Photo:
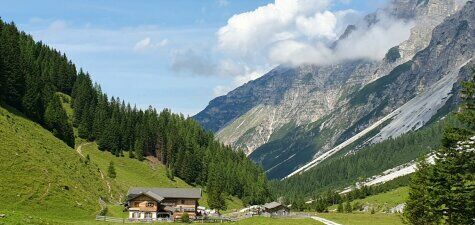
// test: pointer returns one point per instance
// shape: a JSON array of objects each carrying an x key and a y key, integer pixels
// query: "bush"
[{"x": 185, "y": 218}]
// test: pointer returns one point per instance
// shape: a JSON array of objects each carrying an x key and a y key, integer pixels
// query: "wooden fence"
[{"x": 124, "y": 220}]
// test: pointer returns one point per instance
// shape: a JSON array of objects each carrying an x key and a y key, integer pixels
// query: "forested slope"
[{"x": 350, "y": 166}]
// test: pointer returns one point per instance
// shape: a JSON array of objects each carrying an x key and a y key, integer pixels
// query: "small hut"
[{"x": 275, "y": 208}]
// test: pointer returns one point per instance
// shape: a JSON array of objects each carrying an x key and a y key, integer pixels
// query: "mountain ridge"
[{"x": 257, "y": 129}]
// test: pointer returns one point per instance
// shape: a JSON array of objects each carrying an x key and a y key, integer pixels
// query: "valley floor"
[{"x": 363, "y": 218}]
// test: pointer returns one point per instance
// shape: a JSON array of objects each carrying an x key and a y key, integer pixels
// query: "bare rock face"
[{"x": 292, "y": 115}]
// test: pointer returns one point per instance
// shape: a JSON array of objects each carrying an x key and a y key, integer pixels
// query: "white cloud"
[
  {"x": 298, "y": 32},
  {"x": 163, "y": 43},
  {"x": 142, "y": 44},
  {"x": 248, "y": 31},
  {"x": 321, "y": 25},
  {"x": 146, "y": 44}
]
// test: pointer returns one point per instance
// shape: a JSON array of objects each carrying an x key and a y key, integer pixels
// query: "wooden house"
[
  {"x": 275, "y": 208},
  {"x": 153, "y": 204}
]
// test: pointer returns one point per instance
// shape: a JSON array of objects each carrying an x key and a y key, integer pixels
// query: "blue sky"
[{"x": 168, "y": 54}]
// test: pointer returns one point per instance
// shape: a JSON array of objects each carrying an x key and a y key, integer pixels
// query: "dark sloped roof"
[
  {"x": 272, "y": 205},
  {"x": 160, "y": 193}
]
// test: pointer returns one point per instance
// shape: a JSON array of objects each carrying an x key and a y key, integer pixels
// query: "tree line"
[
  {"x": 320, "y": 202},
  {"x": 31, "y": 77},
  {"x": 345, "y": 169},
  {"x": 444, "y": 193}
]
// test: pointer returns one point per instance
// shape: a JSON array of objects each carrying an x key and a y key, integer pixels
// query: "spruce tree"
[
  {"x": 2, "y": 72},
  {"x": 138, "y": 149},
  {"x": 56, "y": 120},
  {"x": 450, "y": 184},
  {"x": 340, "y": 208},
  {"x": 111, "y": 170},
  {"x": 214, "y": 187},
  {"x": 33, "y": 101},
  {"x": 348, "y": 208},
  {"x": 419, "y": 207},
  {"x": 14, "y": 83}
]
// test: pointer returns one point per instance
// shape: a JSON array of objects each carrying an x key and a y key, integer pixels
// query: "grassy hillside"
[
  {"x": 46, "y": 182},
  {"x": 383, "y": 201},
  {"x": 386, "y": 200},
  {"x": 41, "y": 176}
]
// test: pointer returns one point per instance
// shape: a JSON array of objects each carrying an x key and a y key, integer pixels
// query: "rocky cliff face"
[
  {"x": 292, "y": 115},
  {"x": 407, "y": 98}
]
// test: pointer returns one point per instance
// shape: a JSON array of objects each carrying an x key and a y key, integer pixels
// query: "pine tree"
[
  {"x": 86, "y": 123},
  {"x": 419, "y": 208},
  {"x": 111, "y": 170},
  {"x": 340, "y": 208},
  {"x": 14, "y": 84},
  {"x": 33, "y": 102},
  {"x": 2, "y": 72},
  {"x": 138, "y": 149},
  {"x": 56, "y": 120},
  {"x": 348, "y": 208},
  {"x": 450, "y": 184},
  {"x": 215, "y": 193}
]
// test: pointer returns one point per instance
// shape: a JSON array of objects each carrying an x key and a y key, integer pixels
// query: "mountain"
[{"x": 296, "y": 115}]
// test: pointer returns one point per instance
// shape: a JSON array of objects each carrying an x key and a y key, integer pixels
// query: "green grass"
[
  {"x": 363, "y": 218},
  {"x": 41, "y": 176},
  {"x": 389, "y": 199},
  {"x": 274, "y": 221},
  {"x": 44, "y": 181},
  {"x": 383, "y": 201}
]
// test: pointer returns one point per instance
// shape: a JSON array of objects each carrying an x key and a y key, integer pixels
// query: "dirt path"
[
  {"x": 79, "y": 151},
  {"x": 325, "y": 221},
  {"x": 79, "y": 148}
]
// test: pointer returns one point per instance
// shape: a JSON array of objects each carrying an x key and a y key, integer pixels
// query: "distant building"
[
  {"x": 152, "y": 204},
  {"x": 275, "y": 208}
]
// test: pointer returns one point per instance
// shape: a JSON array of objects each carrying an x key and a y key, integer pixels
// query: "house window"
[
  {"x": 148, "y": 215},
  {"x": 182, "y": 201},
  {"x": 135, "y": 215},
  {"x": 150, "y": 204}
]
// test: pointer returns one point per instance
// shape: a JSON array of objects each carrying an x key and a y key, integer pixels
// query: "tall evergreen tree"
[
  {"x": 451, "y": 182},
  {"x": 14, "y": 84},
  {"x": 111, "y": 170},
  {"x": 33, "y": 101},
  {"x": 2, "y": 72},
  {"x": 419, "y": 206},
  {"x": 56, "y": 120}
]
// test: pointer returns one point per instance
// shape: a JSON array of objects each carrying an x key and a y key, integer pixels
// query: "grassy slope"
[
  {"x": 44, "y": 181},
  {"x": 41, "y": 176},
  {"x": 383, "y": 201},
  {"x": 387, "y": 199},
  {"x": 363, "y": 218}
]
